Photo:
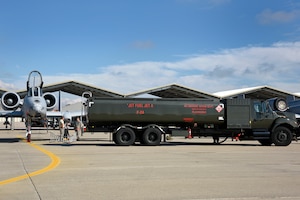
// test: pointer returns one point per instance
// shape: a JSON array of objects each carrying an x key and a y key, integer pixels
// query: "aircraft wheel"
[{"x": 124, "y": 137}]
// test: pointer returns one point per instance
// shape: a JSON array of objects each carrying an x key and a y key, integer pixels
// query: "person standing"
[
  {"x": 62, "y": 128},
  {"x": 78, "y": 128}
]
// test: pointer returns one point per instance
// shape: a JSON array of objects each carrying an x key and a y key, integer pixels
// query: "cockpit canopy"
[{"x": 34, "y": 92}]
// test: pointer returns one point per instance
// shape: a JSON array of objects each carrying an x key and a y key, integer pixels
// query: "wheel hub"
[{"x": 282, "y": 136}]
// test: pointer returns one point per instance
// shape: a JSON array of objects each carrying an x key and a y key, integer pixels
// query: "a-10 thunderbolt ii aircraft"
[{"x": 34, "y": 106}]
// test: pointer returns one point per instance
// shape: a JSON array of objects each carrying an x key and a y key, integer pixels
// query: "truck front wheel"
[
  {"x": 151, "y": 136},
  {"x": 282, "y": 136},
  {"x": 124, "y": 137}
]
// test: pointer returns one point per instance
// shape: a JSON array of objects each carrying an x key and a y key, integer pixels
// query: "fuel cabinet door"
[{"x": 238, "y": 113}]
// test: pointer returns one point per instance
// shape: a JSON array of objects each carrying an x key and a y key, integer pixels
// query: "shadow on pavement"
[
  {"x": 86, "y": 143},
  {"x": 9, "y": 140}
]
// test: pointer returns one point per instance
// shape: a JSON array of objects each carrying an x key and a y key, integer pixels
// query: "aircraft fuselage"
[{"x": 34, "y": 107}]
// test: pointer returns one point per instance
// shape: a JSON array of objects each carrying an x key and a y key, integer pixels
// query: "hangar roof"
[
  {"x": 259, "y": 92},
  {"x": 2, "y": 91},
  {"x": 168, "y": 91},
  {"x": 175, "y": 91},
  {"x": 76, "y": 88}
]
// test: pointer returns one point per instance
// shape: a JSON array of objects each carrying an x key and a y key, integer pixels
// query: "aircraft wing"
[
  {"x": 67, "y": 114},
  {"x": 11, "y": 113},
  {"x": 50, "y": 114},
  {"x": 54, "y": 114}
]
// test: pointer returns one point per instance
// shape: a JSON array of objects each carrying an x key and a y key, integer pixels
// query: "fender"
[
  {"x": 155, "y": 126},
  {"x": 140, "y": 128},
  {"x": 286, "y": 122}
]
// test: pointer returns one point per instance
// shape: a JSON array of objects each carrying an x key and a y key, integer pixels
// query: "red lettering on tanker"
[
  {"x": 198, "y": 109},
  {"x": 130, "y": 105},
  {"x": 140, "y": 105},
  {"x": 148, "y": 105},
  {"x": 188, "y": 119},
  {"x": 140, "y": 112}
]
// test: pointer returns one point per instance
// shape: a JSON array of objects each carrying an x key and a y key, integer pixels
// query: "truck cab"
[{"x": 262, "y": 121}]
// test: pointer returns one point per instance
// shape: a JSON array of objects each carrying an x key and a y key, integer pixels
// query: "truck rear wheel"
[
  {"x": 124, "y": 137},
  {"x": 151, "y": 136},
  {"x": 282, "y": 136}
]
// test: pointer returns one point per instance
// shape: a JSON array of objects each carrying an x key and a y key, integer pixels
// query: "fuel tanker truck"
[{"x": 145, "y": 120}]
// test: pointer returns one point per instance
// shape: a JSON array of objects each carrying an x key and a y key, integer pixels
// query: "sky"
[{"x": 126, "y": 46}]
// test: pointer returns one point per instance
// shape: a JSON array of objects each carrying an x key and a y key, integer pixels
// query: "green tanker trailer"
[{"x": 146, "y": 119}]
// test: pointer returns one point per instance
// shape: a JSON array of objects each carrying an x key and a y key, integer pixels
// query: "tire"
[
  {"x": 151, "y": 136},
  {"x": 282, "y": 136},
  {"x": 281, "y": 104},
  {"x": 124, "y": 137}
]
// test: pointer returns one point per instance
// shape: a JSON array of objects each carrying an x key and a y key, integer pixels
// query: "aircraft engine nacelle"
[
  {"x": 10, "y": 101},
  {"x": 51, "y": 100}
]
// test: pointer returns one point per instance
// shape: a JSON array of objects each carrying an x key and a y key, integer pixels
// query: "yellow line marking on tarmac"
[{"x": 54, "y": 163}]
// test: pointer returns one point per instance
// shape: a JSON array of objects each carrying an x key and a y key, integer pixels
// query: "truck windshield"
[{"x": 261, "y": 107}]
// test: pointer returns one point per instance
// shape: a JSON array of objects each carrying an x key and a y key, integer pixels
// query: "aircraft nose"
[{"x": 39, "y": 109}]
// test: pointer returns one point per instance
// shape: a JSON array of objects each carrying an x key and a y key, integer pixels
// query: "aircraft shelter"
[
  {"x": 75, "y": 88},
  {"x": 175, "y": 91},
  {"x": 169, "y": 91}
]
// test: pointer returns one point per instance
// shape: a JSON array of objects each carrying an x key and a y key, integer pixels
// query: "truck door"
[{"x": 263, "y": 116}]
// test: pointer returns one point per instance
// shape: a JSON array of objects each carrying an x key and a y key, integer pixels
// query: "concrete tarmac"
[{"x": 181, "y": 169}]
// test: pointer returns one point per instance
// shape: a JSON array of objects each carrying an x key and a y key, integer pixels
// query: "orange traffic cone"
[
  {"x": 28, "y": 137},
  {"x": 237, "y": 138},
  {"x": 189, "y": 134}
]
